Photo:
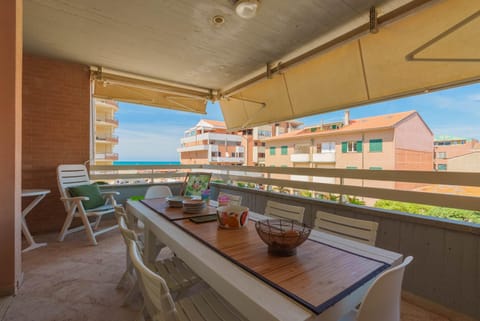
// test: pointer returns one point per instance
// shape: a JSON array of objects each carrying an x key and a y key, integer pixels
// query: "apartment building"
[
  {"x": 400, "y": 141},
  {"x": 104, "y": 132},
  {"x": 209, "y": 142},
  {"x": 255, "y": 139},
  {"x": 456, "y": 154}
]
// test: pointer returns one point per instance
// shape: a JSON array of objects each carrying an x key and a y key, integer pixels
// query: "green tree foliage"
[{"x": 428, "y": 210}]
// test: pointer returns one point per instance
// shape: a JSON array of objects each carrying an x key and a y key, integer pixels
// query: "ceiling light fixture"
[
  {"x": 218, "y": 20},
  {"x": 246, "y": 9}
]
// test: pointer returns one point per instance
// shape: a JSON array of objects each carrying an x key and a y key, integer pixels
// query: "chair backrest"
[
  {"x": 158, "y": 191},
  {"x": 156, "y": 294},
  {"x": 127, "y": 234},
  {"x": 285, "y": 211},
  {"x": 351, "y": 228},
  {"x": 232, "y": 199},
  {"x": 121, "y": 213},
  {"x": 195, "y": 184},
  {"x": 382, "y": 300},
  {"x": 69, "y": 176}
]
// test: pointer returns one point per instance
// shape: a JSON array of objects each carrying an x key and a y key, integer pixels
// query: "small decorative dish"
[
  {"x": 192, "y": 206},
  {"x": 282, "y": 236}
]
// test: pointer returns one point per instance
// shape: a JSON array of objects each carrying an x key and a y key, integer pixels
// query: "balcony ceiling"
[
  {"x": 323, "y": 54},
  {"x": 175, "y": 40}
]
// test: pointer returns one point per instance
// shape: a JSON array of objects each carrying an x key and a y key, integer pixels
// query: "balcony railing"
[
  {"x": 106, "y": 104},
  {"x": 300, "y": 158},
  {"x": 233, "y": 160},
  {"x": 193, "y": 148},
  {"x": 110, "y": 121},
  {"x": 109, "y": 139},
  {"x": 323, "y": 158},
  {"x": 106, "y": 156},
  {"x": 212, "y": 136},
  {"x": 360, "y": 182}
]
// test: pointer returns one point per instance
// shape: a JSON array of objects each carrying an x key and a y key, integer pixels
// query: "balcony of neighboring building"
[
  {"x": 101, "y": 104},
  {"x": 328, "y": 157},
  {"x": 225, "y": 160},
  {"x": 212, "y": 138},
  {"x": 301, "y": 153},
  {"x": 212, "y": 145},
  {"x": 106, "y": 139},
  {"x": 106, "y": 121},
  {"x": 300, "y": 158},
  {"x": 193, "y": 148},
  {"x": 106, "y": 156},
  {"x": 258, "y": 154}
]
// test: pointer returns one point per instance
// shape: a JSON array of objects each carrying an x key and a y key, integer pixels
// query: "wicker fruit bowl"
[{"x": 282, "y": 236}]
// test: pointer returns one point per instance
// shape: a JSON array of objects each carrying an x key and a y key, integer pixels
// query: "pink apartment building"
[{"x": 399, "y": 141}]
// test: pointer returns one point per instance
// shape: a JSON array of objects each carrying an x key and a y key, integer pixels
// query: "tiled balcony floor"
[{"x": 72, "y": 281}]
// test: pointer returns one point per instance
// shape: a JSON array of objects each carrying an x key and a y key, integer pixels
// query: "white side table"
[{"x": 39, "y": 195}]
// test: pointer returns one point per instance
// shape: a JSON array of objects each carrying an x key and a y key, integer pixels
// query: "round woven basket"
[{"x": 282, "y": 236}]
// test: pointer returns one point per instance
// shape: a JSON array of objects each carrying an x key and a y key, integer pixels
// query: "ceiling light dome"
[{"x": 246, "y": 9}]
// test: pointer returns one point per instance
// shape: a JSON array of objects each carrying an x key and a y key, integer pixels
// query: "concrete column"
[{"x": 10, "y": 144}]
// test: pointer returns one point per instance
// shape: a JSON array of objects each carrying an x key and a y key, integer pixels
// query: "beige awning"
[
  {"x": 138, "y": 90},
  {"x": 435, "y": 47}
]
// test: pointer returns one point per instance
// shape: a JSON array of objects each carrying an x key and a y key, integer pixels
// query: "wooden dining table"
[{"x": 326, "y": 278}]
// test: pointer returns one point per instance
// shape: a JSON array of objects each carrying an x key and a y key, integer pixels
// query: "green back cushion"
[{"x": 91, "y": 191}]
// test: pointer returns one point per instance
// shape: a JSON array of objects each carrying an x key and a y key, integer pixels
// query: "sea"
[{"x": 145, "y": 163}]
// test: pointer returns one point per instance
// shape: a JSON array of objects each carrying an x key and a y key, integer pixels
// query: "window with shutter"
[
  {"x": 344, "y": 147},
  {"x": 272, "y": 150},
  {"x": 376, "y": 145},
  {"x": 359, "y": 146}
]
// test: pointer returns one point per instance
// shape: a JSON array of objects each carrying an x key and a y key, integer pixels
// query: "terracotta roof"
[{"x": 356, "y": 125}]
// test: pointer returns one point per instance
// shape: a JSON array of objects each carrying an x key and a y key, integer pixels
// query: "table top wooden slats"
[{"x": 318, "y": 276}]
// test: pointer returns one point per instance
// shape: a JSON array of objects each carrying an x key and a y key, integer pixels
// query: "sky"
[{"x": 153, "y": 134}]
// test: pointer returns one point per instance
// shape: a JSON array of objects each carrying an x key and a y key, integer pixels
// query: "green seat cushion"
[{"x": 91, "y": 191}]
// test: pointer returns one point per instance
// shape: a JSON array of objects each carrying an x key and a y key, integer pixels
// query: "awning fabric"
[
  {"x": 139, "y": 91},
  {"x": 435, "y": 47}
]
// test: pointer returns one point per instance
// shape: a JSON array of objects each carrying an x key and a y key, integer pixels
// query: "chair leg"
[
  {"x": 97, "y": 222},
  {"x": 88, "y": 227},
  {"x": 127, "y": 275},
  {"x": 123, "y": 281},
  {"x": 133, "y": 293},
  {"x": 66, "y": 225}
]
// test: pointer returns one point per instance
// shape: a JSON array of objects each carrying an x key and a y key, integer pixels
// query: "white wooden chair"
[
  {"x": 73, "y": 176},
  {"x": 346, "y": 227},
  {"x": 382, "y": 300},
  {"x": 160, "y": 305},
  {"x": 158, "y": 191},
  {"x": 128, "y": 279},
  {"x": 232, "y": 199},
  {"x": 177, "y": 274},
  {"x": 281, "y": 210}
]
